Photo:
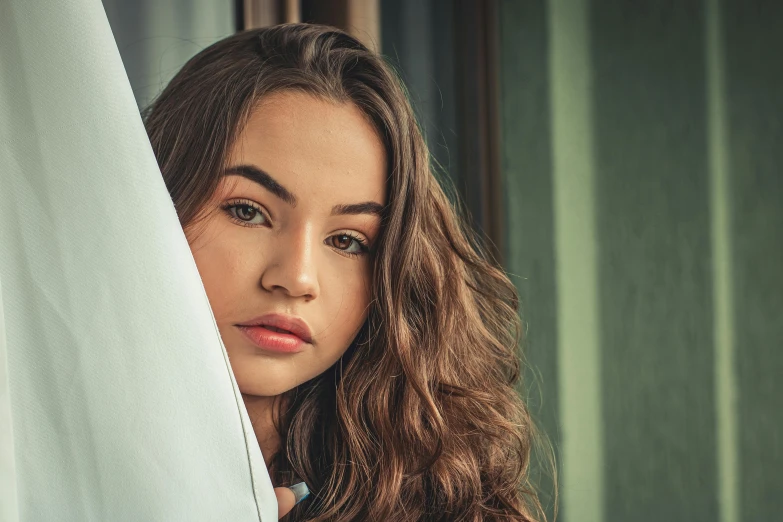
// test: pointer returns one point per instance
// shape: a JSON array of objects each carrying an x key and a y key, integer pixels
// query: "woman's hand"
[{"x": 287, "y": 498}]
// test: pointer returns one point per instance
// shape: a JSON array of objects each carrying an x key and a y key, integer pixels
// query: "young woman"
[{"x": 375, "y": 346}]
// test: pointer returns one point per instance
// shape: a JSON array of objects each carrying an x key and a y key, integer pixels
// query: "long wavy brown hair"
[{"x": 420, "y": 419}]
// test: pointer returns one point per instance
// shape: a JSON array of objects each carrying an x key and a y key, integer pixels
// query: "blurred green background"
[{"x": 625, "y": 158}]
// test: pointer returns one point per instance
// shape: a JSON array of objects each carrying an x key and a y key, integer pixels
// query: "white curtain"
[{"x": 116, "y": 398}]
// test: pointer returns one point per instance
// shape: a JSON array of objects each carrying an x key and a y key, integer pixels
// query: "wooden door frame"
[
  {"x": 360, "y": 18},
  {"x": 477, "y": 51}
]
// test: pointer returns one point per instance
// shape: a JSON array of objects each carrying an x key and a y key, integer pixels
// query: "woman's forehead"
[{"x": 314, "y": 148}]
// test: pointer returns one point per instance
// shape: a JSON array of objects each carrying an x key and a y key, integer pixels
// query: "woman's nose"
[{"x": 292, "y": 266}]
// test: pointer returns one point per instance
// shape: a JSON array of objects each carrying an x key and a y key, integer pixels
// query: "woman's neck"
[{"x": 262, "y": 412}]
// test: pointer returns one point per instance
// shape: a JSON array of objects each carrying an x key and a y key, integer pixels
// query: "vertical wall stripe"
[
  {"x": 579, "y": 355},
  {"x": 725, "y": 379}
]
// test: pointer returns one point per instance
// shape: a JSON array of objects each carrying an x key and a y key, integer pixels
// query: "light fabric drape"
[{"x": 116, "y": 397}]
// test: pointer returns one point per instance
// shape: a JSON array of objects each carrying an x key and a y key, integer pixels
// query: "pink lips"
[{"x": 277, "y": 333}]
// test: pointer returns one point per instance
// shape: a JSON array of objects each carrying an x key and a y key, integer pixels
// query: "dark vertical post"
[
  {"x": 476, "y": 46},
  {"x": 239, "y": 15}
]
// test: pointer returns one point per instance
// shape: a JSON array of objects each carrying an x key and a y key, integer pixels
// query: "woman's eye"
[
  {"x": 246, "y": 213},
  {"x": 348, "y": 244}
]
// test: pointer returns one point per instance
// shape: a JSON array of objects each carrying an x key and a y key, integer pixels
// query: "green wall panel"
[
  {"x": 653, "y": 219},
  {"x": 754, "y": 94},
  {"x": 527, "y": 170}
]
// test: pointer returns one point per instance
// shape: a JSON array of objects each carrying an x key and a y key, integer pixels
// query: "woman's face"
[{"x": 285, "y": 246}]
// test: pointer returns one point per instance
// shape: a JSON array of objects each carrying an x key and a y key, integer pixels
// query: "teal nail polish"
[{"x": 301, "y": 491}]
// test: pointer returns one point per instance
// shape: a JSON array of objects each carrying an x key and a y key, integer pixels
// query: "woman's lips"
[{"x": 272, "y": 341}]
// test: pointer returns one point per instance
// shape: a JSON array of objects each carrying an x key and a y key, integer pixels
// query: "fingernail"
[{"x": 301, "y": 491}]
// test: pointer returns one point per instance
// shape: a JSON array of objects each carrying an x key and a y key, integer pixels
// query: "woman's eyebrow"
[
  {"x": 260, "y": 177},
  {"x": 257, "y": 175},
  {"x": 368, "y": 207}
]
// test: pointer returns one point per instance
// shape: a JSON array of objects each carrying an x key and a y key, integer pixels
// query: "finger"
[{"x": 286, "y": 500}]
